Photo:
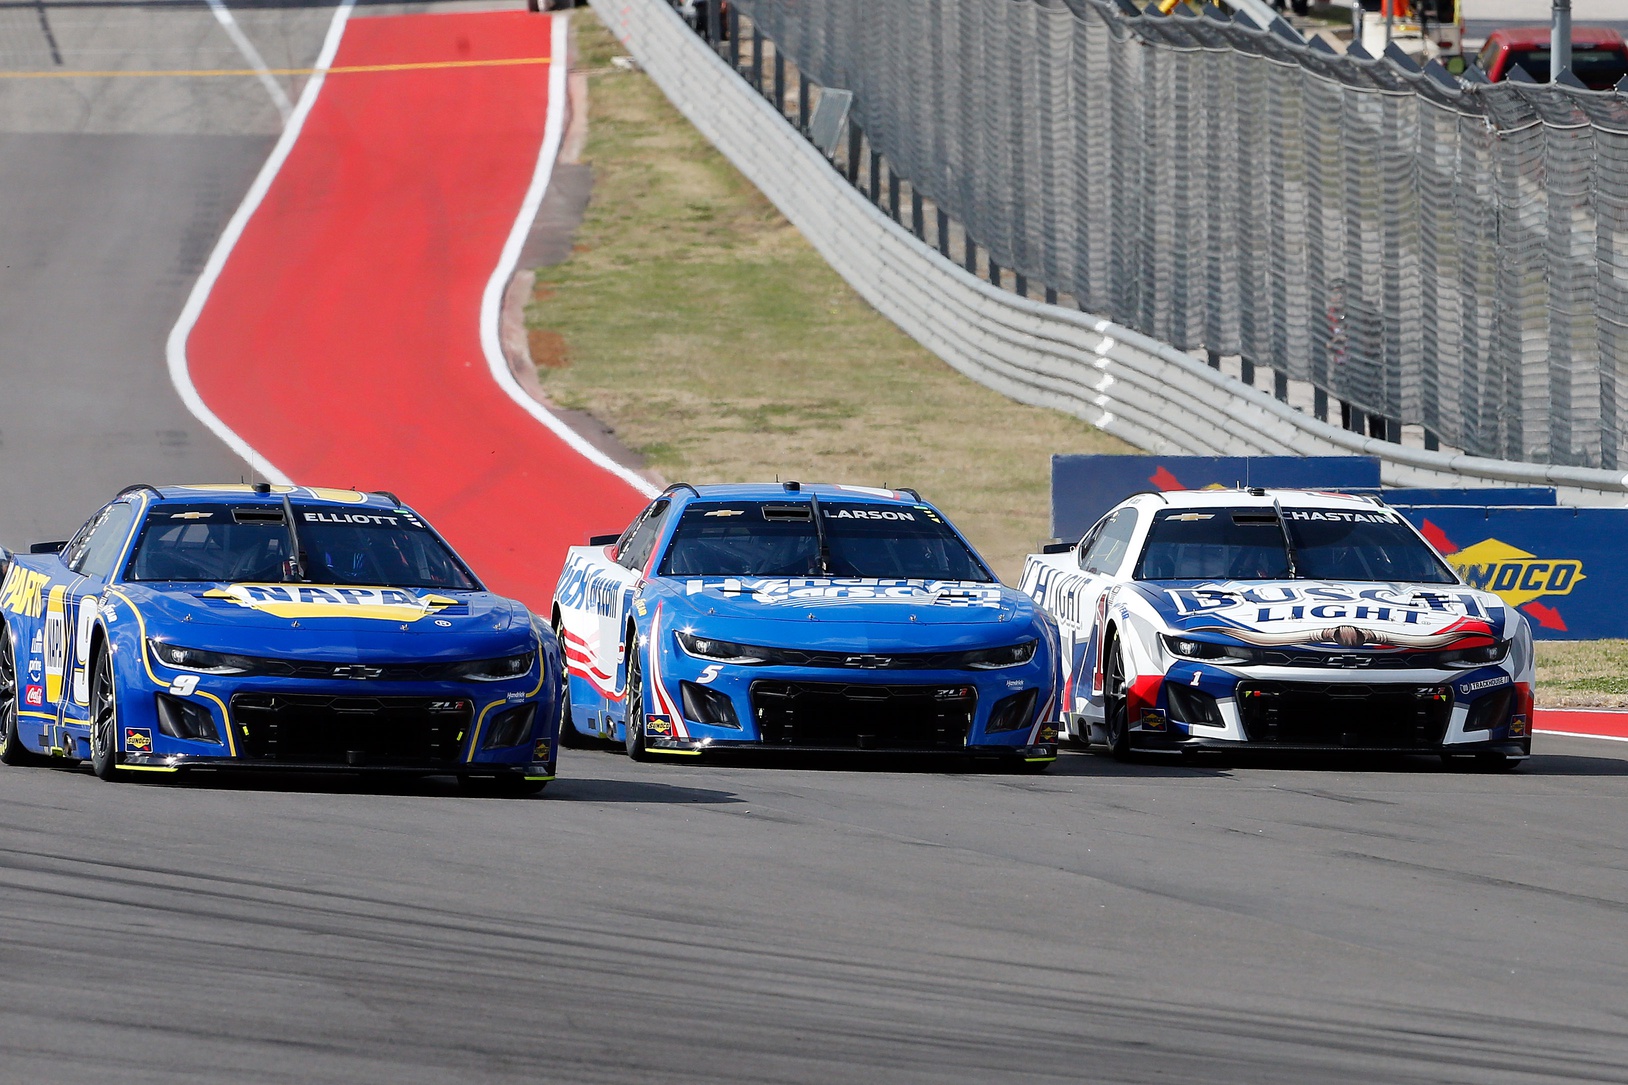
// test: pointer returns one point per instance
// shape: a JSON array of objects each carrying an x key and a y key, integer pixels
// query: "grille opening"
[
  {"x": 1491, "y": 711},
  {"x": 1012, "y": 713},
  {"x": 1351, "y": 715},
  {"x": 863, "y": 717},
  {"x": 1188, "y": 705},
  {"x": 319, "y": 730},
  {"x": 509, "y": 728},
  {"x": 185, "y": 719},
  {"x": 708, "y": 706}
]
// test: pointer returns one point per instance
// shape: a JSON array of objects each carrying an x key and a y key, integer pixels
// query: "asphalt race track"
[{"x": 748, "y": 921}]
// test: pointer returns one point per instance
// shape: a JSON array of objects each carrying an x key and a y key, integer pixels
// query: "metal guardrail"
[{"x": 1147, "y": 392}]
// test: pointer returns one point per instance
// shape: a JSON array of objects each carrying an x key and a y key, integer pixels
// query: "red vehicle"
[{"x": 1599, "y": 57}]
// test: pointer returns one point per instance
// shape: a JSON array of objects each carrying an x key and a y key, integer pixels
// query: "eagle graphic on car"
[{"x": 1353, "y": 636}]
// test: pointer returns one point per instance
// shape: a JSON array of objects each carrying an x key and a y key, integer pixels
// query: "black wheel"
[
  {"x": 104, "y": 718},
  {"x": 1115, "y": 711},
  {"x": 12, "y": 750},
  {"x": 633, "y": 728},
  {"x": 570, "y": 737}
]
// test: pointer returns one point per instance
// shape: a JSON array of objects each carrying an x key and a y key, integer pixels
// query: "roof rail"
[{"x": 138, "y": 488}]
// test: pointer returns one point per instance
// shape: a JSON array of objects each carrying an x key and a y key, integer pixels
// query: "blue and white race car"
[
  {"x": 290, "y": 628},
  {"x": 1280, "y": 619},
  {"x": 807, "y": 617}
]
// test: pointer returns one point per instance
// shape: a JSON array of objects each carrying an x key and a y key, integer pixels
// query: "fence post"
[
  {"x": 714, "y": 24},
  {"x": 972, "y": 256},
  {"x": 1021, "y": 284},
  {"x": 757, "y": 59},
  {"x": 855, "y": 147},
  {"x": 779, "y": 82},
  {"x": 893, "y": 193},
  {"x": 943, "y": 233},
  {"x": 802, "y": 103},
  {"x": 1319, "y": 404},
  {"x": 734, "y": 39},
  {"x": 876, "y": 177},
  {"x": 918, "y": 225},
  {"x": 994, "y": 273},
  {"x": 1051, "y": 295}
]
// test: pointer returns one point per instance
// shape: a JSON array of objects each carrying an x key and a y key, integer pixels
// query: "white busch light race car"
[{"x": 1280, "y": 619}]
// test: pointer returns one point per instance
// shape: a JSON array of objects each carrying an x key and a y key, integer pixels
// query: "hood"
[
  {"x": 856, "y": 614},
  {"x": 317, "y": 619},
  {"x": 1343, "y": 614}
]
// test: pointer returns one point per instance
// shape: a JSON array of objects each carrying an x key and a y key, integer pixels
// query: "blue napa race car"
[
  {"x": 1281, "y": 620},
  {"x": 801, "y": 617},
  {"x": 228, "y": 627}
]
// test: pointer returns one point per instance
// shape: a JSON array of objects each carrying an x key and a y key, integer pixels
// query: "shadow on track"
[{"x": 434, "y": 787}]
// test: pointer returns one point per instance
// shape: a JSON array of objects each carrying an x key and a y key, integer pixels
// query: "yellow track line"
[{"x": 216, "y": 73}]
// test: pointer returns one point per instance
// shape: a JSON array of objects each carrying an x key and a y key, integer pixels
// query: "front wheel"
[
  {"x": 12, "y": 750},
  {"x": 104, "y": 718},
  {"x": 1115, "y": 710},
  {"x": 633, "y": 725}
]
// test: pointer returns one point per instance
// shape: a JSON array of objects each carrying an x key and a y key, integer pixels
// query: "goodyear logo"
[
  {"x": 20, "y": 594},
  {"x": 309, "y": 601},
  {"x": 1514, "y": 575}
]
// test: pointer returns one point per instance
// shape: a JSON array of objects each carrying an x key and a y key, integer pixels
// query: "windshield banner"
[{"x": 1083, "y": 488}]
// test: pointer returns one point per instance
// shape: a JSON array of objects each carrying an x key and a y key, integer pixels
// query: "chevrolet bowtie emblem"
[
  {"x": 868, "y": 662},
  {"x": 357, "y": 670}
]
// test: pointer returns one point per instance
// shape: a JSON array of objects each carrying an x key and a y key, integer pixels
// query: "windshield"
[
  {"x": 1249, "y": 544},
  {"x": 1598, "y": 68},
  {"x": 778, "y": 538},
  {"x": 250, "y": 544}
]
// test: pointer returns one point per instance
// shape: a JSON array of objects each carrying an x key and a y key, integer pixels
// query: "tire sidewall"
[
  {"x": 633, "y": 725},
  {"x": 104, "y": 749}
]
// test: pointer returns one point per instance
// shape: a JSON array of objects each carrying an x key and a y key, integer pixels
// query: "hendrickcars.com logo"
[{"x": 1513, "y": 574}]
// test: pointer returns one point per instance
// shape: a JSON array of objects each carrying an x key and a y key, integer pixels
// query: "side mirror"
[
  {"x": 48, "y": 547},
  {"x": 1056, "y": 546},
  {"x": 603, "y": 540}
]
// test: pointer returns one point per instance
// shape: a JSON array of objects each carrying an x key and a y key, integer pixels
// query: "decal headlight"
[
  {"x": 1474, "y": 657},
  {"x": 719, "y": 651},
  {"x": 495, "y": 670},
  {"x": 993, "y": 659},
  {"x": 1188, "y": 648},
  {"x": 196, "y": 659}
]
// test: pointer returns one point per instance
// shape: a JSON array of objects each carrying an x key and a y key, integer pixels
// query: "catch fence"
[{"x": 1417, "y": 249}]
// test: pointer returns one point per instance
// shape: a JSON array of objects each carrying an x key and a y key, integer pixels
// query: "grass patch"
[
  {"x": 1583, "y": 673},
  {"x": 703, "y": 329}
]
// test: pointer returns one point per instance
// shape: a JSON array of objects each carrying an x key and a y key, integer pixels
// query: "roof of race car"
[
  {"x": 1251, "y": 498},
  {"x": 236, "y": 493},
  {"x": 770, "y": 491}
]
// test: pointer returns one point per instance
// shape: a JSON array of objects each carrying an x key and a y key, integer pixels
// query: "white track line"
[
  {"x": 176, "y": 348},
  {"x": 279, "y": 97},
  {"x": 491, "y": 302},
  {"x": 1580, "y": 734}
]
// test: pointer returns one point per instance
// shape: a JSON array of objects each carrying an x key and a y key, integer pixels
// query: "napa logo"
[
  {"x": 332, "y": 601},
  {"x": 1514, "y": 575}
]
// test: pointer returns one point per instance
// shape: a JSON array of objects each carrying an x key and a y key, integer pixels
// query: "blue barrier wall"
[
  {"x": 1561, "y": 566},
  {"x": 1499, "y": 495},
  {"x": 1085, "y": 487}
]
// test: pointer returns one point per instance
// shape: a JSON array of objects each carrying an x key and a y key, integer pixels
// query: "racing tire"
[
  {"x": 104, "y": 718},
  {"x": 1116, "y": 725},
  {"x": 570, "y": 737},
  {"x": 12, "y": 750},
  {"x": 633, "y": 688}
]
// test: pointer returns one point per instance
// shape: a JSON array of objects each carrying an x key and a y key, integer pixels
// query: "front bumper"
[
  {"x": 1032, "y": 754},
  {"x": 173, "y": 763}
]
